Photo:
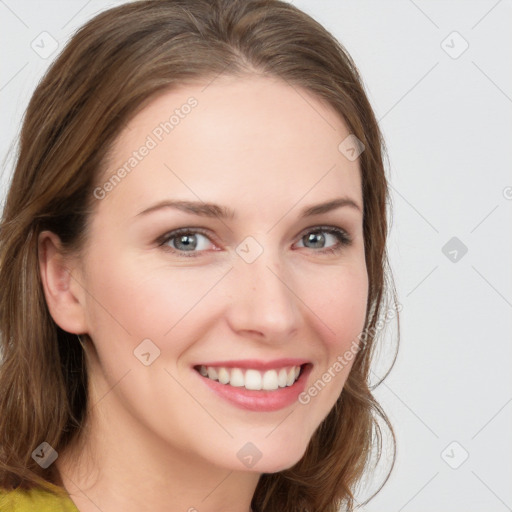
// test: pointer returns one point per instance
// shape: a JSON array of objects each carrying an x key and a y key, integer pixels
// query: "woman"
[{"x": 193, "y": 268}]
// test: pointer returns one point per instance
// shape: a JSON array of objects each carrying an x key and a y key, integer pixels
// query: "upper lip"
[{"x": 257, "y": 364}]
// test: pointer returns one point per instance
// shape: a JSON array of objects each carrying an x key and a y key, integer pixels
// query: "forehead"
[{"x": 257, "y": 136}]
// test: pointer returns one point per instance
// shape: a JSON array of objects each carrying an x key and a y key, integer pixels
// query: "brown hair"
[{"x": 108, "y": 71}]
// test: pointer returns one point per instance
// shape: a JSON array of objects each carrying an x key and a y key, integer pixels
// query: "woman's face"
[{"x": 266, "y": 289}]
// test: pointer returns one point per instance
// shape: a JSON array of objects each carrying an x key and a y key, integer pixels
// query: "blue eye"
[
  {"x": 187, "y": 241},
  {"x": 317, "y": 236}
]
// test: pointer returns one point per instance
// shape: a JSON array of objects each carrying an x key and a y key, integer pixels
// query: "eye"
[
  {"x": 190, "y": 242},
  {"x": 320, "y": 235},
  {"x": 185, "y": 240}
]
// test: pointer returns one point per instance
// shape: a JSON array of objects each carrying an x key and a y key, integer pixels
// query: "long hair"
[{"x": 108, "y": 71}]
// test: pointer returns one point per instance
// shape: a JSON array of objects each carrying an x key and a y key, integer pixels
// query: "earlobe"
[{"x": 63, "y": 297}]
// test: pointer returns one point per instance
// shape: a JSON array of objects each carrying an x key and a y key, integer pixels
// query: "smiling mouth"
[{"x": 252, "y": 379}]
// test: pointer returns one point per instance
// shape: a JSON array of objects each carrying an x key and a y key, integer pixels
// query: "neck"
[
  {"x": 132, "y": 483},
  {"x": 118, "y": 465}
]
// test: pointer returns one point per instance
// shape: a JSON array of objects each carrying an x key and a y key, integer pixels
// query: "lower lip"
[{"x": 261, "y": 401}]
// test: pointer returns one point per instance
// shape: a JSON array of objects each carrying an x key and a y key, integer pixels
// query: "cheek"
[
  {"x": 134, "y": 300},
  {"x": 340, "y": 311},
  {"x": 339, "y": 301},
  {"x": 133, "y": 297}
]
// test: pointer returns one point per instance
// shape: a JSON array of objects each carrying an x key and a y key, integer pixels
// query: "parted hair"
[{"x": 111, "y": 67}]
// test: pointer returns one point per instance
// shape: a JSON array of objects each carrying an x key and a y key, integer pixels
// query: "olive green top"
[{"x": 34, "y": 500}]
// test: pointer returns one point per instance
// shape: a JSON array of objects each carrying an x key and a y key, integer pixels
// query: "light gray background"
[{"x": 446, "y": 119}]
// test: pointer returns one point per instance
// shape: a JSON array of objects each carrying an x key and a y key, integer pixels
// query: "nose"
[{"x": 263, "y": 303}]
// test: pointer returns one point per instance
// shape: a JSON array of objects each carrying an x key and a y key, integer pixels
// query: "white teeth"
[
  {"x": 253, "y": 379},
  {"x": 270, "y": 380},
  {"x": 291, "y": 376},
  {"x": 282, "y": 378},
  {"x": 223, "y": 375},
  {"x": 237, "y": 378}
]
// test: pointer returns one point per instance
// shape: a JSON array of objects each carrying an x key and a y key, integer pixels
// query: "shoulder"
[{"x": 34, "y": 500}]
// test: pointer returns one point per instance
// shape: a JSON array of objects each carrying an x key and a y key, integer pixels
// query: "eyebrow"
[{"x": 223, "y": 212}]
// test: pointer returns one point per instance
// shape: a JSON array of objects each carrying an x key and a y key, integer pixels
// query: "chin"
[
  {"x": 278, "y": 459},
  {"x": 277, "y": 465}
]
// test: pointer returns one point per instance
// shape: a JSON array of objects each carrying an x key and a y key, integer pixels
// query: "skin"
[{"x": 158, "y": 438}]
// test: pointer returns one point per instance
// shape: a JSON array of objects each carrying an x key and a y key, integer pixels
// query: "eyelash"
[{"x": 344, "y": 239}]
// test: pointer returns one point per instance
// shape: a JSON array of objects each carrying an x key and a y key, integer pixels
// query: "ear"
[{"x": 64, "y": 295}]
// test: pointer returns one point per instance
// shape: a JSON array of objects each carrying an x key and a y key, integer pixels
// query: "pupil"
[
  {"x": 185, "y": 240},
  {"x": 317, "y": 238}
]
